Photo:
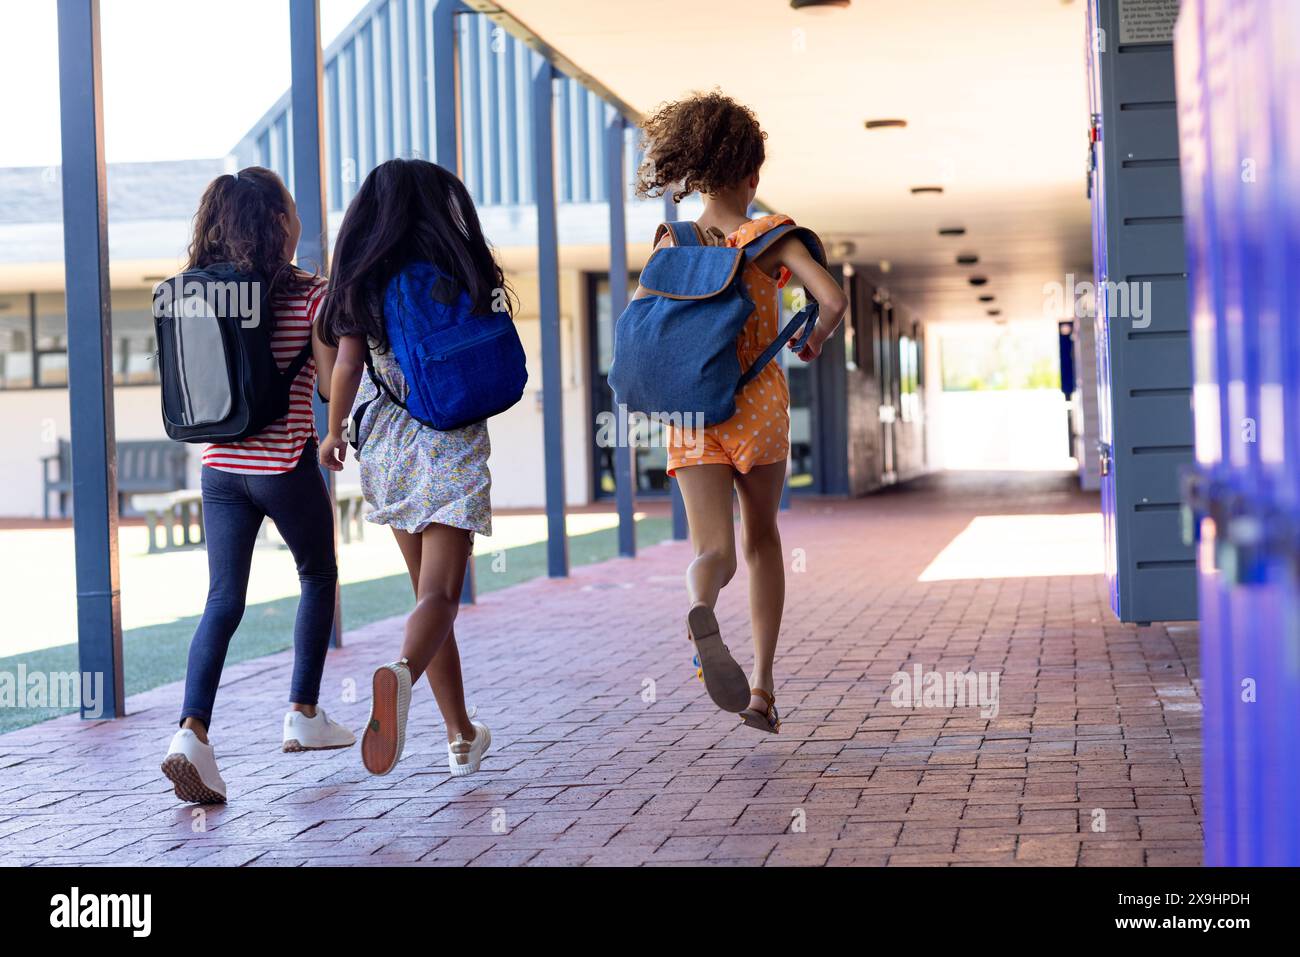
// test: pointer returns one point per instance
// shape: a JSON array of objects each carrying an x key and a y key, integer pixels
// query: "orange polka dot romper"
[{"x": 759, "y": 432}]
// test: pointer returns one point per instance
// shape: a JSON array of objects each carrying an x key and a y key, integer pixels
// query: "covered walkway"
[{"x": 606, "y": 750}]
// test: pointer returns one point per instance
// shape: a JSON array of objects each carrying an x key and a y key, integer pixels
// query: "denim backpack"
[
  {"x": 675, "y": 349},
  {"x": 460, "y": 366}
]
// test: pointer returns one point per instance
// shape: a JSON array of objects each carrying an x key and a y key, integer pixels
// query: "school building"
[{"x": 1113, "y": 205}]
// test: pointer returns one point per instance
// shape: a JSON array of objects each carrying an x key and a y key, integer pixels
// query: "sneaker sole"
[
  {"x": 381, "y": 745},
  {"x": 293, "y": 745},
  {"x": 724, "y": 679},
  {"x": 461, "y": 770},
  {"x": 186, "y": 782}
]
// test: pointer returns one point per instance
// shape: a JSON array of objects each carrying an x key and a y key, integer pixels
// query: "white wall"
[
  {"x": 36, "y": 419},
  {"x": 517, "y": 461}
]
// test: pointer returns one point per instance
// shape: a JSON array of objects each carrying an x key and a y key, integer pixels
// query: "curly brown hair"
[{"x": 704, "y": 143}]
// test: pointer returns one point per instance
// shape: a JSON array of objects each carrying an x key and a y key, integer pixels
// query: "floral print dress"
[{"x": 413, "y": 476}]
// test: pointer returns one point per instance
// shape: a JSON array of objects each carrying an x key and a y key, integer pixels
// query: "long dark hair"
[
  {"x": 242, "y": 220},
  {"x": 407, "y": 210}
]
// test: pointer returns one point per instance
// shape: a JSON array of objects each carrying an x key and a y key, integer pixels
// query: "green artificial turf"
[{"x": 156, "y": 655}]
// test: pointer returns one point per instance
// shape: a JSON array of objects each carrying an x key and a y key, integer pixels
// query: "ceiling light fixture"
[
  {"x": 987, "y": 298},
  {"x": 995, "y": 312},
  {"x": 952, "y": 230},
  {"x": 918, "y": 190},
  {"x": 978, "y": 280},
  {"x": 885, "y": 124},
  {"x": 967, "y": 259},
  {"x": 816, "y": 4}
]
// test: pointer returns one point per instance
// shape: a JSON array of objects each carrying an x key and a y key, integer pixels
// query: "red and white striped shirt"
[{"x": 278, "y": 447}]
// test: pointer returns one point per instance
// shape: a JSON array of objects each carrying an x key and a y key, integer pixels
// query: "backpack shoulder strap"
[
  {"x": 806, "y": 320},
  {"x": 295, "y": 366},
  {"x": 683, "y": 233},
  {"x": 762, "y": 242}
]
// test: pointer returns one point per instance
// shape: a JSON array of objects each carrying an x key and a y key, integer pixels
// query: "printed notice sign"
[{"x": 1147, "y": 21}]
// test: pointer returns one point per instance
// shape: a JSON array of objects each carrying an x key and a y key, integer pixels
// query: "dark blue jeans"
[{"x": 233, "y": 509}]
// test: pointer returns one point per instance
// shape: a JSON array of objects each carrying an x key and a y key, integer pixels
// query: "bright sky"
[{"x": 183, "y": 79}]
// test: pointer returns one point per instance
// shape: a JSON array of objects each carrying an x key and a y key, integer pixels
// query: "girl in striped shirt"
[{"x": 249, "y": 219}]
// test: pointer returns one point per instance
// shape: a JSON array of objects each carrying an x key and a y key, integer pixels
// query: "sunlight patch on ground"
[
  {"x": 38, "y": 588},
  {"x": 1022, "y": 546}
]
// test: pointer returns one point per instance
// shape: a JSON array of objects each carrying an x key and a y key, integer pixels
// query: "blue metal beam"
[
  {"x": 446, "y": 149},
  {"x": 624, "y": 487},
  {"x": 90, "y": 375},
  {"x": 307, "y": 75},
  {"x": 680, "y": 530},
  {"x": 542, "y": 123},
  {"x": 402, "y": 83}
]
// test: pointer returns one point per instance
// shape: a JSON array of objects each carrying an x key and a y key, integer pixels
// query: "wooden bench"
[
  {"x": 352, "y": 509},
  {"x": 143, "y": 467},
  {"x": 175, "y": 514},
  {"x": 172, "y": 511}
]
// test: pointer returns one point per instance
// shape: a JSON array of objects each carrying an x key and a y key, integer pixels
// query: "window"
[
  {"x": 1002, "y": 357},
  {"x": 34, "y": 339},
  {"x": 15, "y": 342},
  {"x": 909, "y": 379},
  {"x": 51, "y": 339},
  {"x": 133, "y": 338}
]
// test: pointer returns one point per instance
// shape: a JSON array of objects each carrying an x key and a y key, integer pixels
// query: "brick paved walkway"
[{"x": 1095, "y": 718}]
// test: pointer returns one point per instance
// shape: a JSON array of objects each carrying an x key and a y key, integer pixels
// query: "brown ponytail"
[{"x": 241, "y": 220}]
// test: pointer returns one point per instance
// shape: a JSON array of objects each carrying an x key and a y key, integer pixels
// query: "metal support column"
[
  {"x": 542, "y": 122},
  {"x": 446, "y": 145},
  {"x": 615, "y": 190},
  {"x": 306, "y": 98},
  {"x": 680, "y": 530},
  {"x": 90, "y": 375},
  {"x": 446, "y": 136}
]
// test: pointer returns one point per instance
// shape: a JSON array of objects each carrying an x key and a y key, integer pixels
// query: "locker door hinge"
[{"x": 1103, "y": 456}]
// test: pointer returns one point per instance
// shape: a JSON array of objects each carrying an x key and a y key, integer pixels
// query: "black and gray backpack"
[{"x": 220, "y": 380}]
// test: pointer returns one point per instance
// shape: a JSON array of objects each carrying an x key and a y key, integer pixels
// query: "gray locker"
[{"x": 1143, "y": 355}]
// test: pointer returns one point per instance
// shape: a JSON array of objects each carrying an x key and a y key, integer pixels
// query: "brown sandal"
[
  {"x": 723, "y": 678},
  {"x": 768, "y": 720}
]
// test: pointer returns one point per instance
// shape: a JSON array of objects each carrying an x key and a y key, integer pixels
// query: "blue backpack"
[
  {"x": 675, "y": 349},
  {"x": 460, "y": 367}
]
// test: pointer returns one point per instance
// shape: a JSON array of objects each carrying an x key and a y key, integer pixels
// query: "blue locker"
[
  {"x": 1238, "y": 75},
  {"x": 1143, "y": 355}
]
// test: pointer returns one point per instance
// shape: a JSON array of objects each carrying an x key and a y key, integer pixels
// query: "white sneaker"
[
  {"x": 464, "y": 757},
  {"x": 192, "y": 768},
  {"x": 381, "y": 745},
  {"x": 302, "y": 733}
]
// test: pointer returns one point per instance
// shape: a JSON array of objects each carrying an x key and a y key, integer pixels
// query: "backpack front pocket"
[
  {"x": 470, "y": 372},
  {"x": 199, "y": 393}
]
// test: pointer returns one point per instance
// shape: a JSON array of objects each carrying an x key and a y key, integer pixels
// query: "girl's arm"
[
  {"x": 324, "y": 355},
  {"x": 821, "y": 285},
  {"x": 344, "y": 382}
]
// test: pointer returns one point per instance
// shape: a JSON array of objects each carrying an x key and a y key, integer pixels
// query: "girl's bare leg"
[
  {"x": 760, "y": 500},
  {"x": 706, "y": 491},
  {"x": 443, "y": 669}
]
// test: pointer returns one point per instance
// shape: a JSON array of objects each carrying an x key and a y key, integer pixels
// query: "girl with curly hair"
[{"x": 712, "y": 145}]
